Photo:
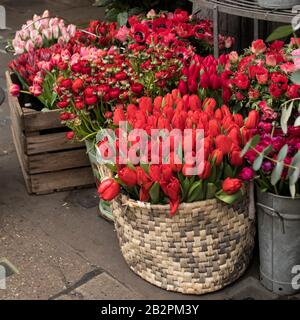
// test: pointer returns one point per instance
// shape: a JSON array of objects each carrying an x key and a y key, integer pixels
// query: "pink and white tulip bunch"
[{"x": 42, "y": 31}]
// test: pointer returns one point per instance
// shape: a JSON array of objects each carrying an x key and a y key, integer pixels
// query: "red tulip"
[
  {"x": 253, "y": 119},
  {"x": 214, "y": 128},
  {"x": 235, "y": 158},
  {"x": 128, "y": 176},
  {"x": 172, "y": 190},
  {"x": 14, "y": 90},
  {"x": 224, "y": 143},
  {"x": 206, "y": 171},
  {"x": 119, "y": 115},
  {"x": 238, "y": 119},
  {"x": 108, "y": 189},
  {"x": 217, "y": 154},
  {"x": 231, "y": 186}
]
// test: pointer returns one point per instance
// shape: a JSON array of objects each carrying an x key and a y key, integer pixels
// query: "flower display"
[
  {"x": 41, "y": 32},
  {"x": 261, "y": 78},
  {"x": 207, "y": 165}
]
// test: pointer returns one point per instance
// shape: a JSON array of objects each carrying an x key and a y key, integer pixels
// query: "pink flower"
[
  {"x": 247, "y": 174},
  {"x": 36, "y": 90},
  {"x": 122, "y": 34},
  {"x": 14, "y": 90},
  {"x": 288, "y": 67},
  {"x": 296, "y": 55}
]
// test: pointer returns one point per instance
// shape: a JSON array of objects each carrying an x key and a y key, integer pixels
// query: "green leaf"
[
  {"x": 283, "y": 153},
  {"x": 155, "y": 193},
  {"x": 296, "y": 77},
  {"x": 297, "y": 122},
  {"x": 122, "y": 18},
  {"x": 285, "y": 116},
  {"x": 267, "y": 150},
  {"x": 258, "y": 162},
  {"x": 229, "y": 198},
  {"x": 195, "y": 191},
  {"x": 101, "y": 3},
  {"x": 131, "y": 166},
  {"x": 145, "y": 167},
  {"x": 280, "y": 32},
  {"x": 277, "y": 172},
  {"x": 134, "y": 11},
  {"x": 250, "y": 144},
  {"x": 111, "y": 15},
  {"x": 293, "y": 190},
  {"x": 185, "y": 185},
  {"x": 211, "y": 190},
  {"x": 228, "y": 171},
  {"x": 294, "y": 176}
]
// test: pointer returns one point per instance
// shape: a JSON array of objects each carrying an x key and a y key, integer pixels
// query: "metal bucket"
[
  {"x": 278, "y": 4},
  {"x": 279, "y": 243},
  {"x": 104, "y": 207}
]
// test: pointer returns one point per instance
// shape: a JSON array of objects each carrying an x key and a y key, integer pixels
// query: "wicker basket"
[{"x": 206, "y": 246}]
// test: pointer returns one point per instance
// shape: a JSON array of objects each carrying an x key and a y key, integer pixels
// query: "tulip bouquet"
[
  {"x": 275, "y": 157},
  {"x": 37, "y": 71},
  {"x": 41, "y": 32},
  {"x": 206, "y": 76},
  {"x": 201, "y": 161},
  {"x": 262, "y": 77}
]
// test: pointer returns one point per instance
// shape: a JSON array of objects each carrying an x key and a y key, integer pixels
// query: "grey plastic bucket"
[
  {"x": 104, "y": 207},
  {"x": 279, "y": 243},
  {"x": 278, "y": 4}
]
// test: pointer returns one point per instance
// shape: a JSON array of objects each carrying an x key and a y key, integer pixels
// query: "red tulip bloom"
[
  {"x": 231, "y": 186},
  {"x": 206, "y": 171},
  {"x": 217, "y": 155},
  {"x": 253, "y": 119},
  {"x": 223, "y": 143},
  {"x": 128, "y": 176},
  {"x": 235, "y": 158},
  {"x": 172, "y": 190},
  {"x": 14, "y": 90},
  {"x": 108, "y": 189}
]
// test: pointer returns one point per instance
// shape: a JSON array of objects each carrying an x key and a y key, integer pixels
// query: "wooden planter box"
[{"x": 49, "y": 161}]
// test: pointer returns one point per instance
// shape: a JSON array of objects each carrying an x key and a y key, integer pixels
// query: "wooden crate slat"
[
  {"x": 55, "y": 181},
  {"x": 22, "y": 162},
  {"x": 37, "y": 120},
  {"x": 49, "y": 162},
  {"x": 50, "y": 142},
  {"x": 56, "y": 161}
]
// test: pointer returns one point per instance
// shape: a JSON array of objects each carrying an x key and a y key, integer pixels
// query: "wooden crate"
[{"x": 49, "y": 161}]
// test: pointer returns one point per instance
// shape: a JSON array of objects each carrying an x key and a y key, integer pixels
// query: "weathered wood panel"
[{"x": 48, "y": 160}]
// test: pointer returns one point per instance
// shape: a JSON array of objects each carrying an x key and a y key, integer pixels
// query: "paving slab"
[{"x": 102, "y": 287}]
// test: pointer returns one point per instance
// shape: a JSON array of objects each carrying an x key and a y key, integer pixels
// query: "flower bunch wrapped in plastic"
[
  {"x": 261, "y": 77},
  {"x": 175, "y": 149},
  {"x": 41, "y": 32},
  {"x": 37, "y": 71}
]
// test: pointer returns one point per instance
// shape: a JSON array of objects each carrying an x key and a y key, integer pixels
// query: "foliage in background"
[{"x": 118, "y": 10}]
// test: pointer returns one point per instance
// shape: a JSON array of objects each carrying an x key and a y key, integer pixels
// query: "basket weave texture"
[{"x": 206, "y": 246}]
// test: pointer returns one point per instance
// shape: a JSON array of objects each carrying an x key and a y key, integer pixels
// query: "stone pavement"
[{"x": 60, "y": 246}]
